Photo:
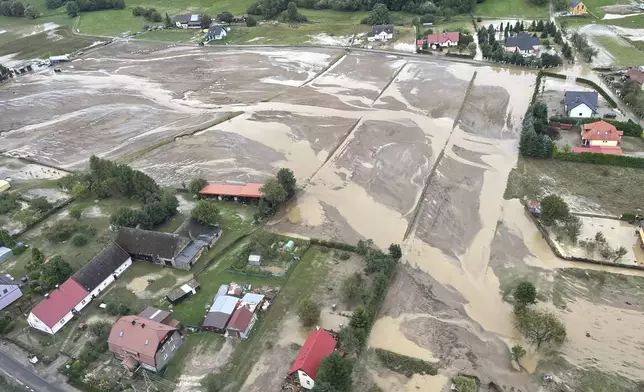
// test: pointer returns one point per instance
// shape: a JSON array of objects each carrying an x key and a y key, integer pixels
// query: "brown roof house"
[
  {"x": 245, "y": 316},
  {"x": 142, "y": 341}
]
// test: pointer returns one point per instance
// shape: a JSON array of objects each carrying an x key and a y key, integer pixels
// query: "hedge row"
[
  {"x": 334, "y": 244},
  {"x": 584, "y": 81},
  {"x": 460, "y": 55},
  {"x": 600, "y": 159},
  {"x": 629, "y": 127}
]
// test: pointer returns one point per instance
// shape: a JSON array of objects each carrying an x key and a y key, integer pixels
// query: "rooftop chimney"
[
  {"x": 142, "y": 325},
  {"x": 133, "y": 322}
]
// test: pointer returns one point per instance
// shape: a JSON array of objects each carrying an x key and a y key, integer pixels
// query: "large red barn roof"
[
  {"x": 319, "y": 345},
  {"x": 60, "y": 301},
  {"x": 248, "y": 190}
]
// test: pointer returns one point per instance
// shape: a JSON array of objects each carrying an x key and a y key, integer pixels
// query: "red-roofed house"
[
  {"x": 141, "y": 341},
  {"x": 319, "y": 345},
  {"x": 221, "y": 191},
  {"x": 600, "y": 133},
  {"x": 443, "y": 39},
  {"x": 241, "y": 323},
  {"x": 58, "y": 307}
]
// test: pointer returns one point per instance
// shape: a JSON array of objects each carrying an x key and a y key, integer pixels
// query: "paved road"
[{"x": 10, "y": 368}]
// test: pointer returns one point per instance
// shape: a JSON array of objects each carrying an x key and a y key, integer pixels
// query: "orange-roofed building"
[
  {"x": 234, "y": 192},
  {"x": 600, "y": 133}
]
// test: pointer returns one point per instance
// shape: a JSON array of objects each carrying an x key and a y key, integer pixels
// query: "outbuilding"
[
  {"x": 4, "y": 185},
  {"x": 319, "y": 345}
]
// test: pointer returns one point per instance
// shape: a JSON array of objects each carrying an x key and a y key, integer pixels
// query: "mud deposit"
[{"x": 393, "y": 149}]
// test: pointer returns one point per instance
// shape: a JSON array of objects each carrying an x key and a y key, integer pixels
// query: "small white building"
[
  {"x": 255, "y": 260},
  {"x": 381, "y": 33},
  {"x": 4, "y": 185},
  {"x": 60, "y": 306},
  {"x": 582, "y": 104},
  {"x": 216, "y": 33}
]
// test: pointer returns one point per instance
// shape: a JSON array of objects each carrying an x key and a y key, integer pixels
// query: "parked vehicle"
[{"x": 610, "y": 115}]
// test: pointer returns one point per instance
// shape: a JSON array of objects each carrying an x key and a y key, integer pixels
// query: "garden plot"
[{"x": 616, "y": 233}]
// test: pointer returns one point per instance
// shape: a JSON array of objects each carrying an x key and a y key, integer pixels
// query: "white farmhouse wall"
[
  {"x": 305, "y": 381},
  {"x": 581, "y": 110},
  {"x": 603, "y": 143},
  {"x": 36, "y": 323},
  {"x": 104, "y": 284}
]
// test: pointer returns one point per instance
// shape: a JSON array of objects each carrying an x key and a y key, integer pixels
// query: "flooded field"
[{"x": 393, "y": 149}]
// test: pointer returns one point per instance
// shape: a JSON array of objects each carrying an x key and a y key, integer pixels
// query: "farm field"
[
  {"x": 509, "y": 8},
  {"x": 389, "y": 148}
]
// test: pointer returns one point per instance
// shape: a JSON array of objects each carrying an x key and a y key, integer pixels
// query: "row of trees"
[
  {"x": 107, "y": 179},
  {"x": 15, "y": 8},
  {"x": 273, "y": 8},
  {"x": 4, "y": 73},
  {"x": 580, "y": 42},
  {"x": 74, "y": 7},
  {"x": 534, "y": 141}
]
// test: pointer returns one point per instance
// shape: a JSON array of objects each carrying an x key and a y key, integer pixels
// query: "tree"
[
  {"x": 540, "y": 326},
  {"x": 80, "y": 191},
  {"x": 336, "y": 372},
  {"x": 40, "y": 204},
  {"x": 197, "y": 185},
  {"x": 168, "y": 21},
  {"x": 525, "y": 294},
  {"x": 379, "y": 15},
  {"x": 360, "y": 320},
  {"x": 76, "y": 212},
  {"x": 553, "y": 208},
  {"x": 363, "y": 246},
  {"x": 206, "y": 21},
  {"x": 287, "y": 180},
  {"x": 292, "y": 15},
  {"x": 540, "y": 26},
  {"x": 274, "y": 192},
  {"x": 206, "y": 213},
  {"x": 518, "y": 352},
  {"x": 5, "y": 8},
  {"x": 351, "y": 340},
  {"x": 309, "y": 312},
  {"x": 53, "y": 4},
  {"x": 619, "y": 252},
  {"x": 572, "y": 228},
  {"x": 17, "y": 8},
  {"x": 31, "y": 12},
  {"x": 156, "y": 17},
  {"x": 125, "y": 217},
  {"x": 251, "y": 21},
  {"x": 56, "y": 271},
  {"x": 395, "y": 252},
  {"x": 225, "y": 17},
  {"x": 72, "y": 9},
  {"x": 79, "y": 239},
  {"x": 37, "y": 256},
  {"x": 351, "y": 288}
]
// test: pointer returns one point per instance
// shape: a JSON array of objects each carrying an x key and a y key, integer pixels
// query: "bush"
[
  {"x": 344, "y": 256},
  {"x": 465, "y": 384},
  {"x": 309, "y": 312},
  {"x": 118, "y": 309},
  {"x": 40, "y": 204},
  {"x": 76, "y": 212},
  {"x": 628, "y": 217},
  {"x": 478, "y": 19},
  {"x": 197, "y": 185},
  {"x": 351, "y": 287},
  {"x": 405, "y": 365},
  {"x": 79, "y": 239},
  {"x": 251, "y": 21}
]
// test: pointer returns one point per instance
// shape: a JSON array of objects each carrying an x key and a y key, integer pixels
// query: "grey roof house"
[
  {"x": 188, "y": 21},
  {"x": 167, "y": 249},
  {"x": 381, "y": 32},
  {"x": 9, "y": 291},
  {"x": 523, "y": 42},
  {"x": 580, "y": 103},
  {"x": 216, "y": 33},
  {"x": 101, "y": 267}
]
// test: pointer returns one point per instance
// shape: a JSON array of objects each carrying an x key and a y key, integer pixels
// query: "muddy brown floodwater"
[{"x": 398, "y": 150}]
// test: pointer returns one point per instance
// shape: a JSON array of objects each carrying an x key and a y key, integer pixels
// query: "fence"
[{"x": 555, "y": 250}]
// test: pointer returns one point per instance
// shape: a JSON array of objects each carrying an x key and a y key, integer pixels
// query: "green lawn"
[
  {"x": 197, "y": 343},
  {"x": 186, "y": 36},
  {"x": 633, "y": 22},
  {"x": 622, "y": 51},
  {"x": 509, "y": 8},
  {"x": 595, "y": 6}
]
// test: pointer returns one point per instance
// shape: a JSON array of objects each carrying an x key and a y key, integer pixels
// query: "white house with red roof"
[
  {"x": 58, "y": 307},
  {"x": 600, "y": 133},
  {"x": 319, "y": 345},
  {"x": 444, "y": 40}
]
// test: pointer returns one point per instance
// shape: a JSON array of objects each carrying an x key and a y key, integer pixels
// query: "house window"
[
  {"x": 83, "y": 302},
  {"x": 5, "y": 291},
  {"x": 580, "y": 114},
  {"x": 308, "y": 382}
]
